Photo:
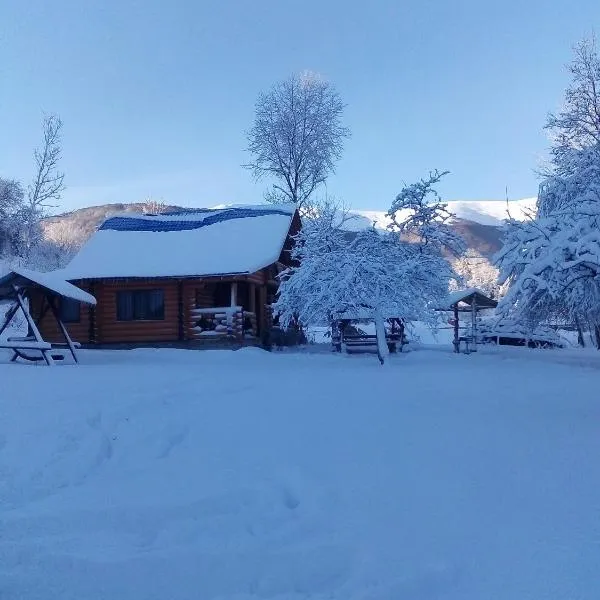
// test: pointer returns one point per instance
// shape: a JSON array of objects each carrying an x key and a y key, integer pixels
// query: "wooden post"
[
  {"x": 180, "y": 329},
  {"x": 233, "y": 293},
  {"x": 580, "y": 340},
  {"x": 382, "y": 347},
  {"x": 62, "y": 327},
  {"x": 8, "y": 317},
  {"x": 43, "y": 310},
  {"x": 92, "y": 317},
  {"x": 31, "y": 326},
  {"x": 456, "y": 330},
  {"x": 474, "y": 323},
  {"x": 252, "y": 294},
  {"x": 262, "y": 317}
]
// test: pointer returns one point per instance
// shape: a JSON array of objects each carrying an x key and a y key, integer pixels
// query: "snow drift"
[{"x": 247, "y": 476}]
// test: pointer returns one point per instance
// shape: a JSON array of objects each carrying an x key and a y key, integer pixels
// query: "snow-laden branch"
[{"x": 368, "y": 271}]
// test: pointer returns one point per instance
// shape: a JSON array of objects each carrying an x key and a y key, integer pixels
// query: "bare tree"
[
  {"x": 297, "y": 137},
  {"x": 48, "y": 181},
  {"x": 154, "y": 207}
]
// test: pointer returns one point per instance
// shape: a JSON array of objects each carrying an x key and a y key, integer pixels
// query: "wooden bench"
[
  {"x": 65, "y": 345},
  {"x": 347, "y": 336},
  {"x": 26, "y": 344},
  {"x": 357, "y": 341},
  {"x": 467, "y": 340},
  {"x": 21, "y": 346},
  {"x": 32, "y": 347}
]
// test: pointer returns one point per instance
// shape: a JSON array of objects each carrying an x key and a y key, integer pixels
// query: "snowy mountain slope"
[
  {"x": 478, "y": 222},
  {"x": 178, "y": 475},
  {"x": 490, "y": 212}
]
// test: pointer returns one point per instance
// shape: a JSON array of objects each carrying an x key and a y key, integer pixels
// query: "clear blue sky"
[{"x": 156, "y": 96}]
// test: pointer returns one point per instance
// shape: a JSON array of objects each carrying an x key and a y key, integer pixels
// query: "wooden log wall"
[
  {"x": 249, "y": 318},
  {"x": 100, "y": 325},
  {"x": 112, "y": 331},
  {"x": 79, "y": 331}
]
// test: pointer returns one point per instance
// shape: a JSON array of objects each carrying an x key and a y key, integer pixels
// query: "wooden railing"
[{"x": 231, "y": 322}]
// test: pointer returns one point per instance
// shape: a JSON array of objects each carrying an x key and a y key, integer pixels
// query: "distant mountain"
[
  {"x": 487, "y": 212},
  {"x": 77, "y": 226},
  {"x": 478, "y": 222}
]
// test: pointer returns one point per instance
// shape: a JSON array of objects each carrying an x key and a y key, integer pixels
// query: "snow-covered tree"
[
  {"x": 577, "y": 126},
  {"x": 297, "y": 137},
  {"x": 552, "y": 261},
  {"x": 476, "y": 271},
  {"x": 371, "y": 271},
  {"x": 48, "y": 255},
  {"x": 419, "y": 213},
  {"x": 21, "y": 236},
  {"x": 12, "y": 216}
]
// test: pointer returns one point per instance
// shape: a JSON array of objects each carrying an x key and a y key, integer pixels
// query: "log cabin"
[{"x": 194, "y": 277}]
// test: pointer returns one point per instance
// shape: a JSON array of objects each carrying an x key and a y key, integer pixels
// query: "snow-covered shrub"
[{"x": 529, "y": 334}]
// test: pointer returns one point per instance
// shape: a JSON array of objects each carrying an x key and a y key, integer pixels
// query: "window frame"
[
  {"x": 139, "y": 305},
  {"x": 65, "y": 317}
]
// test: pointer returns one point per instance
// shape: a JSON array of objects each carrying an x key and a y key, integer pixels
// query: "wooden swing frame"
[{"x": 32, "y": 347}]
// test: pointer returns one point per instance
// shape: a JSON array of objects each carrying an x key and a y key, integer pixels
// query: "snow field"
[{"x": 168, "y": 474}]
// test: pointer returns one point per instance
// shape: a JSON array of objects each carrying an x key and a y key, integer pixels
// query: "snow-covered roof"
[
  {"x": 195, "y": 242},
  {"x": 467, "y": 296},
  {"x": 512, "y": 329},
  {"x": 52, "y": 281}
]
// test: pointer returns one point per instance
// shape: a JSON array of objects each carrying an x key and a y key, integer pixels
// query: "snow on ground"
[{"x": 173, "y": 474}]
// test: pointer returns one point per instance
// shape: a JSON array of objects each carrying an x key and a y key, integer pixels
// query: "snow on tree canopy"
[
  {"x": 371, "y": 273},
  {"x": 196, "y": 242}
]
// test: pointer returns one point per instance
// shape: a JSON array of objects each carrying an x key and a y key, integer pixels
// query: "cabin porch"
[
  {"x": 215, "y": 311},
  {"x": 234, "y": 311}
]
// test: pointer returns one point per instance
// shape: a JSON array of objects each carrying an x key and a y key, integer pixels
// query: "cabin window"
[
  {"x": 141, "y": 305},
  {"x": 69, "y": 310}
]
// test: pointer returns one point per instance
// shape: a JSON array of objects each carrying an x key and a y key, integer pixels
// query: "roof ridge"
[{"x": 156, "y": 224}]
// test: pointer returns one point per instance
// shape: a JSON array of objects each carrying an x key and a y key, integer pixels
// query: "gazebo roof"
[
  {"x": 51, "y": 282},
  {"x": 467, "y": 296}
]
